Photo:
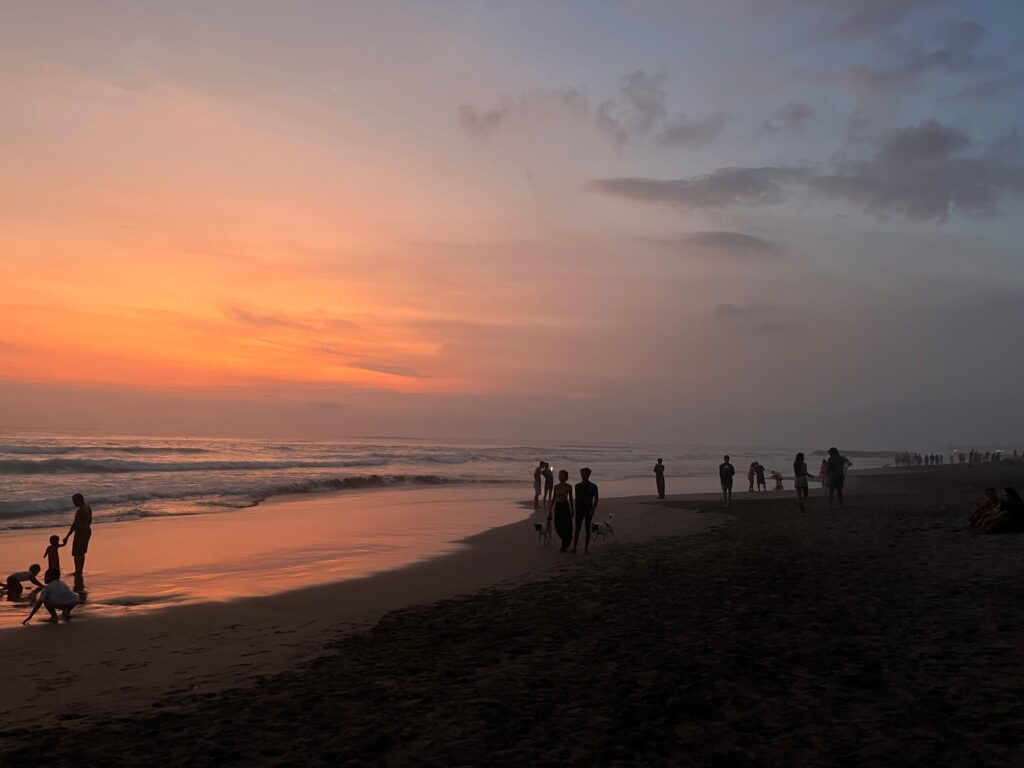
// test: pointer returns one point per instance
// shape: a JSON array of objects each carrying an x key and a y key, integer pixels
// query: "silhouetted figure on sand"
[
  {"x": 586, "y": 504},
  {"x": 537, "y": 480},
  {"x": 989, "y": 510},
  {"x": 751, "y": 474},
  {"x": 759, "y": 473},
  {"x": 726, "y": 472},
  {"x": 55, "y": 596},
  {"x": 801, "y": 480},
  {"x": 659, "y": 478},
  {"x": 549, "y": 482},
  {"x": 82, "y": 529},
  {"x": 1010, "y": 517},
  {"x": 835, "y": 471},
  {"x": 561, "y": 507},
  {"x": 14, "y": 585},
  {"x": 52, "y": 555}
]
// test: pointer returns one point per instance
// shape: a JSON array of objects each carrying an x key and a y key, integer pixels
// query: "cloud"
[
  {"x": 634, "y": 112},
  {"x": 756, "y": 318},
  {"x": 791, "y": 115},
  {"x": 724, "y": 187},
  {"x": 479, "y": 124},
  {"x": 266, "y": 320},
  {"x": 993, "y": 89},
  {"x": 391, "y": 370},
  {"x": 920, "y": 172},
  {"x": 727, "y": 241},
  {"x": 694, "y": 133},
  {"x": 869, "y": 18}
]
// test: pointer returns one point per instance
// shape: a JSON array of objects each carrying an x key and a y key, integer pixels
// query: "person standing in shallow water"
[
  {"x": 726, "y": 471},
  {"x": 549, "y": 481},
  {"x": 561, "y": 507},
  {"x": 82, "y": 528},
  {"x": 537, "y": 479},
  {"x": 659, "y": 479}
]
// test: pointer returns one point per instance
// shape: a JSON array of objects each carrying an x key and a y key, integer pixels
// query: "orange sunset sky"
[{"x": 588, "y": 220}]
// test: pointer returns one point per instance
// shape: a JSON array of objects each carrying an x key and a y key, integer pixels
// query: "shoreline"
[{"x": 127, "y": 661}]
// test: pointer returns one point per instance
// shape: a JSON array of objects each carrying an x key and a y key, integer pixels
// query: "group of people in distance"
[
  {"x": 571, "y": 509},
  {"x": 972, "y": 456},
  {"x": 53, "y": 593},
  {"x": 832, "y": 476}
]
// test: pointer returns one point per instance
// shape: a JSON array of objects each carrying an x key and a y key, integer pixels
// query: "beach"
[{"x": 882, "y": 634}]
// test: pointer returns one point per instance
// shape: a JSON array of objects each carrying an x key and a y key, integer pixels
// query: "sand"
[{"x": 885, "y": 634}]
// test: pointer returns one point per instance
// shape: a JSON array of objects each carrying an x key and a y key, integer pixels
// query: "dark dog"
[{"x": 543, "y": 532}]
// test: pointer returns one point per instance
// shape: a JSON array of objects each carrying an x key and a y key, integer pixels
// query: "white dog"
[{"x": 602, "y": 529}]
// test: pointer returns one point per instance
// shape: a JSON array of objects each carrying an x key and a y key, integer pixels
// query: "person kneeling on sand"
[
  {"x": 55, "y": 596},
  {"x": 14, "y": 587},
  {"x": 1010, "y": 518},
  {"x": 986, "y": 511}
]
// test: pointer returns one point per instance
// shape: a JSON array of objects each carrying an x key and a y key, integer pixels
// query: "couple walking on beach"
[{"x": 567, "y": 507}]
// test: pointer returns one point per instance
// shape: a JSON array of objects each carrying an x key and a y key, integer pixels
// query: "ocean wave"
[
  {"x": 131, "y": 506},
  {"x": 122, "y": 466},
  {"x": 21, "y": 449}
]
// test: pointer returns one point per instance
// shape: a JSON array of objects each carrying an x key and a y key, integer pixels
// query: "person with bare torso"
[{"x": 82, "y": 529}]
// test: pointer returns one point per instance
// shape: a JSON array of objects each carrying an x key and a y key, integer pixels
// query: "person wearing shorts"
[
  {"x": 14, "y": 581},
  {"x": 82, "y": 528}
]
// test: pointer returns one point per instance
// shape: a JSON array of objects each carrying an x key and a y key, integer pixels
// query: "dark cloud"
[
  {"x": 724, "y": 187},
  {"x": 694, "y": 133},
  {"x": 993, "y": 89},
  {"x": 733, "y": 242},
  {"x": 791, "y": 115},
  {"x": 639, "y": 106},
  {"x": 393, "y": 370},
  {"x": 920, "y": 172},
  {"x": 481, "y": 123},
  {"x": 868, "y": 18},
  {"x": 765, "y": 319}
]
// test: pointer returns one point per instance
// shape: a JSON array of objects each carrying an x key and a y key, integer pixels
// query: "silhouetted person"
[
  {"x": 823, "y": 475},
  {"x": 988, "y": 510},
  {"x": 726, "y": 472},
  {"x": 586, "y": 504},
  {"x": 82, "y": 528},
  {"x": 835, "y": 470},
  {"x": 1010, "y": 518},
  {"x": 561, "y": 507},
  {"x": 801, "y": 480},
  {"x": 52, "y": 555},
  {"x": 751, "y": 473},
  {"x": 55, "y": 596},
  {"x": 537, "y": 479},
  {"x": 14, "y": 581},
  {"x": 659, "y": 478},
  {"x": 759, "y": 472},
  {"x": 549, "y": 482}
]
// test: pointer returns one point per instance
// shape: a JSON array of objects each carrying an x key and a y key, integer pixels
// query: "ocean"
[{"x": 132, "y": 478}]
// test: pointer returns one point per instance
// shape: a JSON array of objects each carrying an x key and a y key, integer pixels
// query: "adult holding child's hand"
[{"x": 82, "y": 529}]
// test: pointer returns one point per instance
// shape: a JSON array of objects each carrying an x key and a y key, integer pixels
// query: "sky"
[{"x": 784, "y": 222}]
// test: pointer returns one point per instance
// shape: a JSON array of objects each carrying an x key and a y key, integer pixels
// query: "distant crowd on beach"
[
  {"x": 908, "y": 459},
  {"x": 53, "y": 593}
]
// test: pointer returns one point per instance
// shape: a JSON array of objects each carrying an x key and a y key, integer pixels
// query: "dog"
[
  {"x": 602, "y": 529},
  {"x": 543, "y": 532}
]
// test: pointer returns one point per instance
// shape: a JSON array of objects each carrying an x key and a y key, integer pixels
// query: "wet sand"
[{"x": 884, "y": 634}]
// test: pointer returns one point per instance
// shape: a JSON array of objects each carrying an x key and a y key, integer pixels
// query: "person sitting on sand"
[
  {"x": 1010, "y": 518},
  {"x": 586, "y": 504},
  {"x": 987, "y": 510},
  {"x": 52, "y": 555},
  {"x": 55, "y": 596},
  {"x": 561, "y": 506},
  {"x": 14, "y": 587},
  {"x": 726, "y": 472}
]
